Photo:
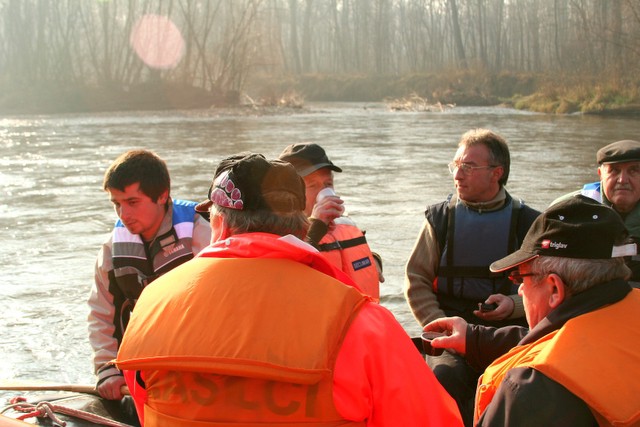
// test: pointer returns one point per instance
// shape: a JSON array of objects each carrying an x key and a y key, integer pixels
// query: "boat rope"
[{"x": 47, "y": 409}]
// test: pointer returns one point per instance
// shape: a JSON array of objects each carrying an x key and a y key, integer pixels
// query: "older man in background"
[
  {"x": 332, "y": 232},
  {"x": 619, "y": 188}
]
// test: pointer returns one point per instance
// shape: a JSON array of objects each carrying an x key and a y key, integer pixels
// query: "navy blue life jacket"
[{"x": 469, "y": 241}]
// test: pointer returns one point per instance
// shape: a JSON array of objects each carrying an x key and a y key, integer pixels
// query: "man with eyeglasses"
[
  {"x": 448, "y": 273},
  {"x": 619, "y": 188},
  {"x": 578, "y": 363}
]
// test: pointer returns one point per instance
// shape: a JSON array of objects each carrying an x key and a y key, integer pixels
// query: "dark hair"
[
  {"x": 142, "y": 166},
  {"x": 498, "y": 149}
]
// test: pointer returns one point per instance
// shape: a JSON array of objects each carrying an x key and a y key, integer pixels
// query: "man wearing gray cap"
[
  {"x": 619, "y": 187},
  {"x": 578, "y": 363}
]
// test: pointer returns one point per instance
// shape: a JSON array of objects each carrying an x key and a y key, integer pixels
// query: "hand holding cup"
[
  {"x": 328, "y": 206},
  {"x": 427, "y": 337}
]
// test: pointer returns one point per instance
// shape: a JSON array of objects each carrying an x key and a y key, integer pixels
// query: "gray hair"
[
  {"x": 581, "y": 274},
  {"x": 263, "y": 221},
  {"x": 497, "y": 146}
]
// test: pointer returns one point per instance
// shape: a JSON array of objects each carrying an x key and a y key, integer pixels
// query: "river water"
[{"x": 54, "y": 214}]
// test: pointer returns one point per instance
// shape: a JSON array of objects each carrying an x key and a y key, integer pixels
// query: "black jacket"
[{"x": 526, "y": 397}]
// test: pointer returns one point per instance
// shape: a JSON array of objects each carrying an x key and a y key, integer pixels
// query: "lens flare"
[{"x": 157, "y": 41}]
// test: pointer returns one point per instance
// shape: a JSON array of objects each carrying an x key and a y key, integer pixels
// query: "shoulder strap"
[
  {"x": 442, "y": 219},
  {"x": 451, "y": 223},
  {"x": 525, "y": 215},
  {"x": 516, "y": 205},
  {"x": 437, "y": 215},
  {"x": 342, "y": 244}
]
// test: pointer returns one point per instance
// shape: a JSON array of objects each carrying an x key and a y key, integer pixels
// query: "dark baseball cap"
[
  {"x": 250, "y": 182},
  {"x": 307, "y": 157},
  {"x": 578, "y": 227},
  {"x": 621, "y": 151}
]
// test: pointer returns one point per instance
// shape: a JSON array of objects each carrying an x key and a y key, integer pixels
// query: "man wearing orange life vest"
[
  {"x": 261, "y": 329},
  {"x": 579, "y": 362},
  {"x": 336, "y": 236}
]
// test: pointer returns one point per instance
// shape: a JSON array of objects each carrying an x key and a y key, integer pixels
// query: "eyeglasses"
[
  {"x": 517, "y": 278},
  {"x": 466, "y": 168}
]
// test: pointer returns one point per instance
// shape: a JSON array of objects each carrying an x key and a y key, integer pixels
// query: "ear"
[
  {"x": 219, "y": 230},
  {"x": 498, "y": 171},
  {"x": 557, "y": 290},
  {"x": 163, "y": 197},
  {"x": 599, "y": 172}
]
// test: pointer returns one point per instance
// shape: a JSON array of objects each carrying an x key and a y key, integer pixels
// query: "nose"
[
  {"x": 122, "y": 212},
  {"x": 458, "y": 174},
  {"x": 623, "y": 177}
]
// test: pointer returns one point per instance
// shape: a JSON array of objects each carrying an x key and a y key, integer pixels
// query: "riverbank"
[
  {"x": 552, "y": 94},
  {"x": 539, "y": 93}
]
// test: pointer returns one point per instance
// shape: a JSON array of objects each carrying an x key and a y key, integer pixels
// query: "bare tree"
[{"x": 457, "y": 35}]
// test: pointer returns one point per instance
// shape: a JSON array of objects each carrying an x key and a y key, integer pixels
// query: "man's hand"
[
  {"x": 328, "y": 209},
  {"x": 503, "y": 311},
  {"x": 111, "y": 388},
  {"x": 456, "y": 330}
]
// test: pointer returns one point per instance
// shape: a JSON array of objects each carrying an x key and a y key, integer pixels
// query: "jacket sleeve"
[
  {"x": 527, "y": 398},
  {"x": 101, "y": 317},
  {"x": 381, "y": 377},
  {"x": 201, "y": 234},
  {"x": 484, "y": 344},
  {"x": 420, "y": 274},
  {"x": 518, "y": 307},
  {"x": 317, "y": 230}
]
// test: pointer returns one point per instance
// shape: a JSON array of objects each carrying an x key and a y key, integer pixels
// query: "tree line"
[{"x": 221, "y": 44}]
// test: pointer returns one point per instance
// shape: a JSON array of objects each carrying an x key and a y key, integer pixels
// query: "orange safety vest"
[
  {"x": 595, "y": 356},
  {"x": 346, "y": 248},
  {"x": 222, "y": 341}
]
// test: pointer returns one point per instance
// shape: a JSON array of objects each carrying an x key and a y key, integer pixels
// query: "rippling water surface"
[{"x": 54, "y": 214}]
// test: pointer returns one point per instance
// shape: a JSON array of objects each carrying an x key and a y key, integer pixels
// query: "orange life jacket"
[
  {"x": 595, "y": 356},
  {"x": 345, "y": 247},
  {"x": 236, "y": 341}
]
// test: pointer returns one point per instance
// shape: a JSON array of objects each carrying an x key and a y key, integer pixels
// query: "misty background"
[{"x": 103, "y": 54}]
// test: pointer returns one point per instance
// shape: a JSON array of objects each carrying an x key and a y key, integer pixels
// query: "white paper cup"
[{"x": 327, "y": 191}]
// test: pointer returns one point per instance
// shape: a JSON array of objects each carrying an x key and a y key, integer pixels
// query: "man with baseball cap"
[
  {"x": 331, "y": 232},
  {"x": 619, "y": 187},
  {"x": 578, "y": 362},
  {"x": 260, "y": 329}
]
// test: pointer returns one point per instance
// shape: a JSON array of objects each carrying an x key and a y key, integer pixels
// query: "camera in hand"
[{"x": 488, "y": 307}]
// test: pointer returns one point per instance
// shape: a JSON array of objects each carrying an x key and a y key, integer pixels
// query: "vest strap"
[
  {"x": 342, "y": 244},
  {"x": 450, "y": 235},
  {"x": 451, "y": 271}
]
